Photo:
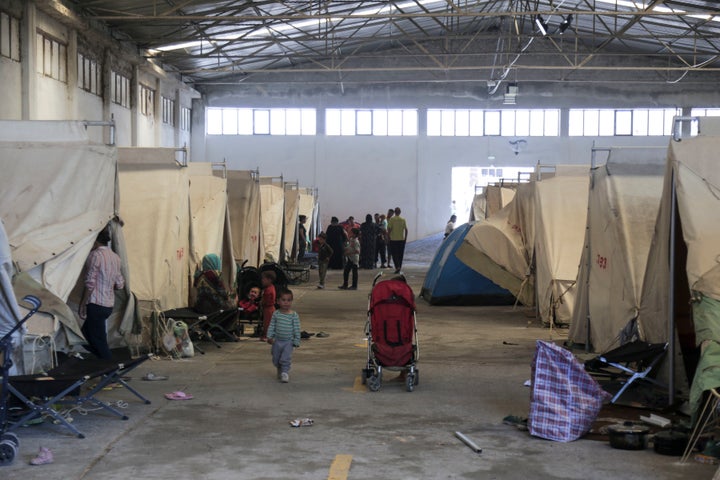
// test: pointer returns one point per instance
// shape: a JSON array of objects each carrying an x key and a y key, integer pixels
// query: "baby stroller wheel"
[
  {"x": 8, "y": 450},
  {"x": 373, "y": 383},
  {"x": 410, "y": 382},
  {"x": 10, "y": 436}
]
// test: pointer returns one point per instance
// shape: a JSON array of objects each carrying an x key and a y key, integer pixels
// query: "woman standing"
[
  {"x": 335, "y": 238},
  {"x": 368, "y": 240}
]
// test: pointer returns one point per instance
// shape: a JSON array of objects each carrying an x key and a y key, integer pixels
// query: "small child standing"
[
  {"x": 267, "y": 280},
  {"x": 325, "y": 251},
  {"x": 284, "y": 335}
]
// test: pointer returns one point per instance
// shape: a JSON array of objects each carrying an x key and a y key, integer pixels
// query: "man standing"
[
  {"x": 302, "y": 237},
  {"x": 102, "y": 278},
  {"x": 397, "y": 233}
]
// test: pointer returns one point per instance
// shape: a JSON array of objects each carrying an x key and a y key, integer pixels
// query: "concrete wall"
[{"x": 29, "y": 95}]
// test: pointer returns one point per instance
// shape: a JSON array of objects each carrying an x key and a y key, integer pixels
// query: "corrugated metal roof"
[{"x": 208, "y": 41}]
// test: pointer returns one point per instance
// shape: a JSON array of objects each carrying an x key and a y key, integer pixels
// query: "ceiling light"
[
  {"x": 565, "y": 24},
  {"x": 541, "y": 25}
]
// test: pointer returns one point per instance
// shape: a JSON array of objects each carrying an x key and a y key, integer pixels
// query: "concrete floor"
[{"x": 237, "y": 426}]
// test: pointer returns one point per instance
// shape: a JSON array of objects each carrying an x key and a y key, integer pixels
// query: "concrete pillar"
[
  {"x": 28, "y": 57},
  {"x": 134, "y": 105}
]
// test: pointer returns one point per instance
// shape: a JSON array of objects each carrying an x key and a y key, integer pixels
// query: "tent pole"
[{"x": 671, "y": 293}]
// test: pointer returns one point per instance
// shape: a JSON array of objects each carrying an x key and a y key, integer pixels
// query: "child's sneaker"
[
  {"x": 284, "y": 377},
  {"x": 44, "y": 457}
]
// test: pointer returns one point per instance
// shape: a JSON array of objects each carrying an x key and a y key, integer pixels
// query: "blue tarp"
[{"x": 450, "y": 282}]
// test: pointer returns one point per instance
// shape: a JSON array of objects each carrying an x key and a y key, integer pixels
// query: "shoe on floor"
[
  {"x": 284, "y": 377},
  {"x": 352, "y": 288},
  {"x": 397, "y": 271},
  {"x": 321, "y": 287},
  {"x": 343, "y": 287},
  {"x": 44, "y": 457}
]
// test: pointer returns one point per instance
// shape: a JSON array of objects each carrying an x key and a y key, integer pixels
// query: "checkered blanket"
[{"x": 565, "y": 399}]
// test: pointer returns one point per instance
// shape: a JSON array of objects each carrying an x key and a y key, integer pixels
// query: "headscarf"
[{"x": 210, "y": 262}]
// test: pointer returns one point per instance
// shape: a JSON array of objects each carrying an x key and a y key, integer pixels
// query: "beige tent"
[
  {"x": 307, "y": 207},
  {"x": 210, "y": 230},
  {"x": 272, "y": 202},
  {"x": 51, "y": 213},
  {"x": 560, "y": 218},
  {"x": 244, "y": 211},
  {"x": 478, "y": 208},
  {"x": 154, "y": 190},
  {"x": 623, "y": 206},
  {"x": 692, "y": 171},
  {"x": 500, "y": 248}
]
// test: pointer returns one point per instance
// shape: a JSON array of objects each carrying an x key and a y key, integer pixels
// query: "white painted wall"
[
  {"x": 360, "y": 175},
  {"x": 10, "y": 74}
]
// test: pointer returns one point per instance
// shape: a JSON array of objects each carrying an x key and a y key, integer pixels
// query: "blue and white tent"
[{"x": 450, "y": 282}]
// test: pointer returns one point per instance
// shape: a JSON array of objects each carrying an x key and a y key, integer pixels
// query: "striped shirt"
[
  {"x": 103, "y": 276},
  {"x": 285, "y": 326}
]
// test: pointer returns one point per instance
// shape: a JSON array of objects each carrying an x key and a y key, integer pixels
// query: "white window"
[
  {"x": 615, "y": 122},
  {"x": 120, "y": 89},
  {"x": 168, "y": 111},
  {"x": 185, "y": 118},
  {"x": 51, "y": 57},
  {"x": 147, "y": 101},
  {"x": 9, "y": 36},
  {"x": 89, "y": 75},
  {"x": 376, "y": 122},
  {"x": 507, "y": 122},
  {"x": 260, "y": 121}
]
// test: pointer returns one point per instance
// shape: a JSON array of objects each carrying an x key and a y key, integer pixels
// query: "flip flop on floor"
[
  {"x": 178, "y": 396},
  {"x": 151, "y": 377},
  {"x": 322, "y": 335}
]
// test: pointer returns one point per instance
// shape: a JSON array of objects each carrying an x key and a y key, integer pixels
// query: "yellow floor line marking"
[
  {"x": 357, "y": 387},
  {"x": 340, "y": 467}
]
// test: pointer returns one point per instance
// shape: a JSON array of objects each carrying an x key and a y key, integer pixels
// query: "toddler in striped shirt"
[{"x": 284, "y": 334}]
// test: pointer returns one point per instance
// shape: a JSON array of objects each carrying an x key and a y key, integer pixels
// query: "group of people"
[{"x": 350, "y": 246}]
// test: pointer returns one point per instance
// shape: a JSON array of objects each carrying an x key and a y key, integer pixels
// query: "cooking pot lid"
[{"x": 628, "y": 427}]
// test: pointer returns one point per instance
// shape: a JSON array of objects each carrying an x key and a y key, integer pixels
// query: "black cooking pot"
[{"x": 628, "y": 436}]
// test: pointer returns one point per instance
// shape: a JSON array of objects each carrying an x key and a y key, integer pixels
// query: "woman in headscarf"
[
  {"x": 336, "y": 238},
  {"x": 368, "y": 239},
  {"x": 212, "y": 295}
]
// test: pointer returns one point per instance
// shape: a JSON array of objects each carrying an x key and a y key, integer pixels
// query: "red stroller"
[{"x": 391, "y": 331}]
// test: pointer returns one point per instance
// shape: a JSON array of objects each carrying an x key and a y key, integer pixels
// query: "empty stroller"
[{"x": 391, "y": 331}]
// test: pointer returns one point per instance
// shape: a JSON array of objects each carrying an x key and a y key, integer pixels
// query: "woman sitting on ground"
[{"x": 212, "y": 295}]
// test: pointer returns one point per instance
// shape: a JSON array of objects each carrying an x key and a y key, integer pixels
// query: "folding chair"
[
  {"x": 207, "y": 325},
  {"x": 63, "y": 385},
  {"x": 631, "y": 362}
]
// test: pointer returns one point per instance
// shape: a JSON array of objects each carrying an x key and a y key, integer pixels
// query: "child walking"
[
  {"x": 325, "y": 251},
  {"x": 284, "y": 334}
]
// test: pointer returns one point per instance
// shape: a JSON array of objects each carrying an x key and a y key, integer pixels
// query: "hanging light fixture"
[
  {"x": 565, "y": 24},
  {"x": 541, "y": 25}
]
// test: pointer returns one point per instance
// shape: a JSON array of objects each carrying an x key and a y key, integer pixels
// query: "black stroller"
[{"x": 9, "y": 442}]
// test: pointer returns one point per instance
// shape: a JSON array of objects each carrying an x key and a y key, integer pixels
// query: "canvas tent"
[
  {"x": 51, "y": 214},
  {"x": 500, "y": 248},
  {"x": 272, "y": 202},
  {"x": 560, "y": 218},
  {"x": 450, "y": 282},
  {"x": 9, "y": 310},
  {"x": 210, "y": 230},
  {"x": 623, "y": 205},
  {"x": 244, "y": 210},
  {"x": 692, "y": 182},
  {"x": 154, "y": 189}
]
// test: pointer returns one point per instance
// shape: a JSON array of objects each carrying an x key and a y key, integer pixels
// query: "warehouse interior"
[{"x": 147, "y": 115}]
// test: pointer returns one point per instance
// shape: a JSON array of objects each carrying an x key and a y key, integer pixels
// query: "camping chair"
[
  {"x": 630, "y": 362},
  {"x": 64, "y": 384}
]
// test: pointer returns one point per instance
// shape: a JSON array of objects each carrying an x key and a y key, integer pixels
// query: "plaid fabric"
[{"x": 565, "y": 399}]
